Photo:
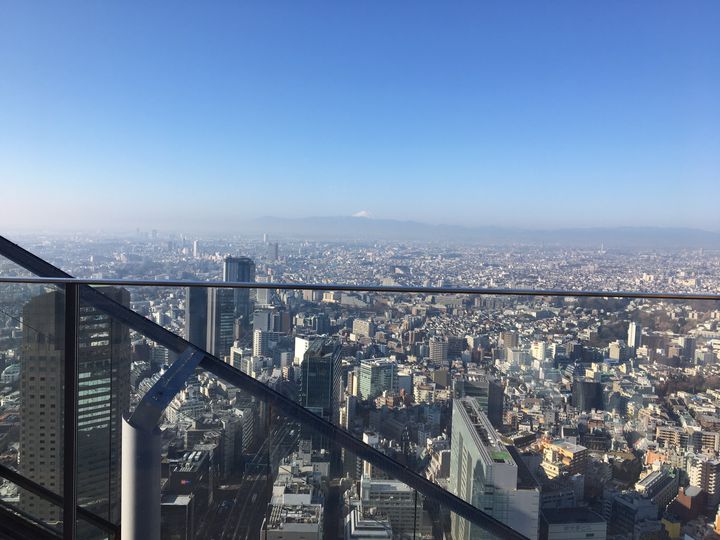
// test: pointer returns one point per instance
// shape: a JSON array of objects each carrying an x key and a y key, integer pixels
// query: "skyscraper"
[
  {"x": 240, "y": 269},
  {"x": 321, "y": 379},
  {"x": 103, "y": 397},
  {"x": 634, "y": 339},
  {"x": 489, "y": 475},
  {"x": 220, "y": 321},
  {"x": 196, "y": 314}
]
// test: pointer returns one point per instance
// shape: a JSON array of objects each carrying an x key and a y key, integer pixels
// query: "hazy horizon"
[
  {"x": 171, "y": 117},
  {"x": 344, "y": 229}
]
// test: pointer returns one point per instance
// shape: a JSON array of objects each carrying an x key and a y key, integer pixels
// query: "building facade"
[{"x": 489, "y": 475}]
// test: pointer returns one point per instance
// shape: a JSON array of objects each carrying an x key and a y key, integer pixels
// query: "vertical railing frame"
[{"x": 70, "y": 411}]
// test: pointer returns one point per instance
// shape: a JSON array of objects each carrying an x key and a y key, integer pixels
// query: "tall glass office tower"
[
  {"x": 221, "y": 321},
  {"x": 321, "y": 379},
  {"x": 240, "y": 269}
]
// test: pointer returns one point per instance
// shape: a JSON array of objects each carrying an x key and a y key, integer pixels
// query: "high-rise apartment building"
[
  {"x": 705, "y": 474},
  {"x": 363, "y": 327},
  {"x": 261, "y": 343},
  {"x": 489, "y": 475},
  {"x": 509, "y": 340},
  {"x": 439, "y": 350},
  {"x": 264, "y": 342},
  {"x": 538, "y": 350},
  {"x": 103, "y": 397},
  {"x": 689, "y": 346}
]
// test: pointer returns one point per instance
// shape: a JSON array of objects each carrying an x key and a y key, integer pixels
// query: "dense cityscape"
[{"x": 563, "y": 417}]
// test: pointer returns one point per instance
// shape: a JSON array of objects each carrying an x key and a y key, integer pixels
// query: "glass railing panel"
[
  {"x": 9, "y": 268},
  {"x": 79, "y": 257},
  {"x": 532, "y": 378},
  {"x": 557, "y": 385},
  {"x": 32, "y": 353},
  {"x": 246, "y": 471},
  {"x": 106, "y": 369},
  {"x": 218, "y": 446},
  {"x": 88, "y": 530},
  {"x": 24, "y": 505}
]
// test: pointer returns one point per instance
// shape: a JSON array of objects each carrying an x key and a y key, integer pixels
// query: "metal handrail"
[
  {"x": 52, "y": 497},
  {"x": 344, "y": 287}
]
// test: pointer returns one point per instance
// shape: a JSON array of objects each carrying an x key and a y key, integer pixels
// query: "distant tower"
[
  {"x": 196, "y": 249},
  {"x": 240, "y": 269},
  {"x": 634, "y": 338},
  {"x": 321, "y": 384}
]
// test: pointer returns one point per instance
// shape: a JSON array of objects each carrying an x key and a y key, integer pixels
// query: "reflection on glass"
[
  {"x": 40, "y": 455},
  {"x": 104, "y": 357}
]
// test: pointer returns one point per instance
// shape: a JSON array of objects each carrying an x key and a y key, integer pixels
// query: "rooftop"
[
  {"x": 571, "y": 515},
  {"x": 294, "y": 517}
]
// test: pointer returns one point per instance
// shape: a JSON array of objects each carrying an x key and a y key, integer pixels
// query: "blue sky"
[{"x": 202, "y": 114}]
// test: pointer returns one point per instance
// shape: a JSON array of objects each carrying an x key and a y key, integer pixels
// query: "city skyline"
[
  {"x": 566, "y": 115},
  {"x": 550, "y": 413}
]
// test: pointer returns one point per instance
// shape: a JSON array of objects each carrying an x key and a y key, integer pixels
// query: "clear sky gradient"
[{"x": 201, "y": 114}]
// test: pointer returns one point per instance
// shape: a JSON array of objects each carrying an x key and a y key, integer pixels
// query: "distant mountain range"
[{"x": 368, "y": 229}]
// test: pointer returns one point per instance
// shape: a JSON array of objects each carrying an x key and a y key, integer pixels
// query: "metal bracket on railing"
[
  {"x": 151, "y": 407},
  {"x": 140, "y": 489}
]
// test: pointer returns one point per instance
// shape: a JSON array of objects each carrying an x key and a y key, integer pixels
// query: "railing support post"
[
  {"x": 140, "y": 486},
  {"x": 72, "y": 318}
]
